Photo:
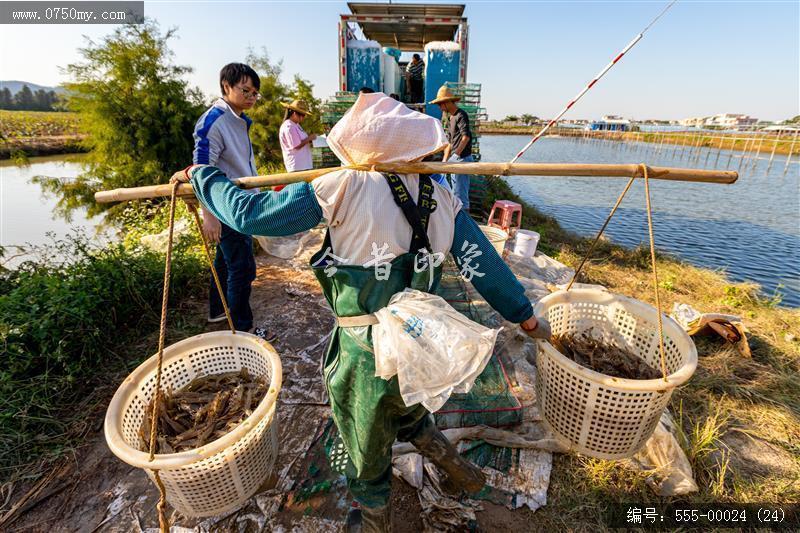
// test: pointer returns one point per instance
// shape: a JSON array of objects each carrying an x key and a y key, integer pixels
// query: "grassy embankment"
[
  {"x": 739, "y": 418},
  {"x": 25, "y": 134},
  {"x": 74, "y": 323},
  {"x": 763, "y": 143}
]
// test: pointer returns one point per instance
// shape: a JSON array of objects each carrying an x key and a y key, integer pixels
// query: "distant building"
[
  {"x": 723, "y": 120},
  {"x": 782, "y": 127},
  {"x": 610, "y": 123}
]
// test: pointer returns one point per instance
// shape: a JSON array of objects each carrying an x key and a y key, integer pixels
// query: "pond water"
[
  {"x": 750, "y": 229},
  {"x": 27, "y": 214}
]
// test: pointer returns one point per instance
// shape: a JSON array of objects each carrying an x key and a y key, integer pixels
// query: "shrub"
[{"x": 63, "y": 324}]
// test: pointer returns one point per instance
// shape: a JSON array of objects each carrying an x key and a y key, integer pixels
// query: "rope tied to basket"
[
  {"x": 163, "y": 521},
  {"x": 661, "y": 350},
  {"x": 645, "y": 176}
]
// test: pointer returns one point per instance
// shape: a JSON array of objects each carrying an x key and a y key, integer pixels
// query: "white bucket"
[
  {"x": 496, "y": 236},
  {"x": 525, "y": 243}
]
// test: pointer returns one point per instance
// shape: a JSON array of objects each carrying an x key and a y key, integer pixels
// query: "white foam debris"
[
  {"x": 442, "y": 45},
  {"x": 358, "y": 43}
]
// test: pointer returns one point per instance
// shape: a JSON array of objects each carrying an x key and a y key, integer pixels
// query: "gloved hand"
[{"x": 536, "y": 328}]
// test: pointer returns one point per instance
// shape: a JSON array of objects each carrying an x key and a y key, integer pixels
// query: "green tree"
[
  {"x": 303, "y": 90},
  {"x": 527, "y": 118},
  {"x": 268, "y": 112},
  {"x": 794, "y": 120},
  {"x": 41, "y": 101},
  {"x": 24, "y": 98},
  {"x": 52, "y": 100},
  {"x": 136, "y": 110},
  {"x": 511, "y": 118},
  {"x": 6, "y": 100}
]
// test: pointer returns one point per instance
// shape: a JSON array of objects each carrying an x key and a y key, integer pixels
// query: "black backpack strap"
[
  {"x": 417, "y": 215},
  {"x": 425, "y": 203}
]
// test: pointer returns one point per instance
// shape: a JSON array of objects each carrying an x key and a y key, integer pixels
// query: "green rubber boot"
[
  {"x": 461, "y": 474},
  {"x": 370, "y": 520}
]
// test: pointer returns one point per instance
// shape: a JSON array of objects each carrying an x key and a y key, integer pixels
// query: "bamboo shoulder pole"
[{"x": 491, "y": 169}]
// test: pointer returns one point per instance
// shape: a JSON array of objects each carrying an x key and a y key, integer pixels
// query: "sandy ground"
[{"x": 95, "y": 491}]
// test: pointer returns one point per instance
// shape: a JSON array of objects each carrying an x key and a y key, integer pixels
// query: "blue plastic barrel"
[
  {"x": 442, "y": 63},
  {"x": 363, "y": 65}
]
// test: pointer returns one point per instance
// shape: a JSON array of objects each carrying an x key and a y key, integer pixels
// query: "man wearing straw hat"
[
  {"x": 363, "y": 208},
  {"x": 295, "y": 142},
  {"x": 460, "y": 138}
]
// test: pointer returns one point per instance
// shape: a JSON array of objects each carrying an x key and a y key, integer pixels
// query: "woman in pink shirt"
[{"x": 295, "y": 143}]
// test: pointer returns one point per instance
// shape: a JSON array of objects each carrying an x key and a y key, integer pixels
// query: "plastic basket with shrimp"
[
  {"x": 595, "y": 414},
  {"x": 212, "y": 477},
  {"x": 223, "y": 474}
]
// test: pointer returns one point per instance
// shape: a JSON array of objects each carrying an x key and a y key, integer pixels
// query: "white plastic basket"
[
  {"x": 598, "y": 415},
  {"x": 220, "y": 476}
]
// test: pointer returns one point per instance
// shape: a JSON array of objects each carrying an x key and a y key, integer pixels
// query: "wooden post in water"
[
  {"x": 686, "y": 142},
  {"x": 758, "y": 151},
  {"x": 730, "y": 154},
  {"x": 648, "y": 153},
  {"x": 791, "y": 151},
  {"x": 744, "y": 153},
  {"x": 696, "y": 149},
  {"x": 719, "y": 151},
  {"x": 772, "y": 155}
]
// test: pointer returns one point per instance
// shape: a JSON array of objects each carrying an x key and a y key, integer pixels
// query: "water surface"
[{"x": 750, "y": 229}]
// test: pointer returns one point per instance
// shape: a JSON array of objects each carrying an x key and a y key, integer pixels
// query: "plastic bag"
[{"x": 433, "y": 349}]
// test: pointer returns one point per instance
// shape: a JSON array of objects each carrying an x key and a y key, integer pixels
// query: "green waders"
[{"x": 368, "y": 410}]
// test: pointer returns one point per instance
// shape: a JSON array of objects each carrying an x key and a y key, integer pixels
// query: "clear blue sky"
[{"x": 701, "y": 58}]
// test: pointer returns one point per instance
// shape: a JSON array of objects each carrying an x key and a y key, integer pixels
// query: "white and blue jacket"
[{"x": 222, "y": 139}]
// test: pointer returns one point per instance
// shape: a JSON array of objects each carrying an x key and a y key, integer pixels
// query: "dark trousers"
[
  {"x": 417, "y": 87},
  {"x": 236, "y": 268}
]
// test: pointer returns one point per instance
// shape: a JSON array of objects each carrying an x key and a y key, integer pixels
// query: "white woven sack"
[{"x": 379, "y": 129}]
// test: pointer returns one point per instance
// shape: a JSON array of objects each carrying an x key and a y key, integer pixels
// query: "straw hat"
[
  {"x": 444, "y": 95},
  {"x": 298, "y": 105}
]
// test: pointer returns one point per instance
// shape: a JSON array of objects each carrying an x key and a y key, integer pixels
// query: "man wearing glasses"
[{"x": 221, "y": 139}]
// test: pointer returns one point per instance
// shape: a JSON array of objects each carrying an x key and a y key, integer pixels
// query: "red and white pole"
[{"x": 590, "y": 85}]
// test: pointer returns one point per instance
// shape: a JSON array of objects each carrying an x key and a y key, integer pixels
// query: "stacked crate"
[{"x": 332, "y": 110}]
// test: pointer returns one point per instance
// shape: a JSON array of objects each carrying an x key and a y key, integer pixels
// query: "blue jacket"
[{"x": 222, "y": 139}]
